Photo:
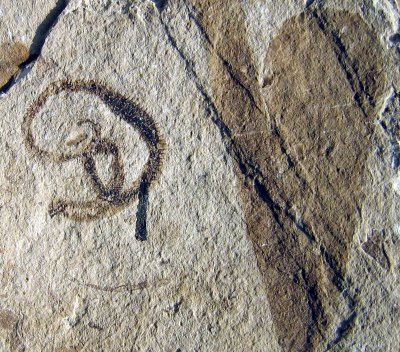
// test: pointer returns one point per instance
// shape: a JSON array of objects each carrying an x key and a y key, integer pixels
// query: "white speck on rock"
[
  {"x": 396, "y": 230},
  {"x": 396, "y": 184}
]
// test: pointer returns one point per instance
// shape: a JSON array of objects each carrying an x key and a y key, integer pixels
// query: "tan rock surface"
[{"x": 200, "y": 176}]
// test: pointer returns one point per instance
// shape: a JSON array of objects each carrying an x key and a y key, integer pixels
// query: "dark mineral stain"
[{"x": 141, "y": 223}]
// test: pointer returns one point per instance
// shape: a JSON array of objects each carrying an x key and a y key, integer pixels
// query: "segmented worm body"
[{"x": 113, "y": 196}]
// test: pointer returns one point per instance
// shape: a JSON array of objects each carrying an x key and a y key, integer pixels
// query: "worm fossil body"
[{"x": 111, "y": 197}]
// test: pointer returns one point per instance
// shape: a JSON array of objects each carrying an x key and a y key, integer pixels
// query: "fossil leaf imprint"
[
  {"x": 301, "y": 158},
  {"x": 111, "y": 196}
]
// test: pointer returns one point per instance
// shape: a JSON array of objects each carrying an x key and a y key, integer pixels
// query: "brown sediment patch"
[
  {"x": 302, "y": 168},
  {"x": 9, "y": 323},
  {"x": 11, "y": 56},
  {"x": 7, "y": 319}
]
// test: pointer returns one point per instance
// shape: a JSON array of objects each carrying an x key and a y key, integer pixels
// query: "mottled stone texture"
[{"x": 199, "y": 175}]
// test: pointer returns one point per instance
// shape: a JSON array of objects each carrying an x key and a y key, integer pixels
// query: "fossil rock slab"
[
  {"x": 126, "y": 232},
  {"x": 197, "y": 175}
]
